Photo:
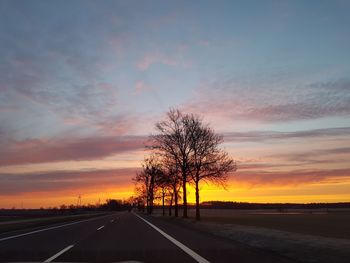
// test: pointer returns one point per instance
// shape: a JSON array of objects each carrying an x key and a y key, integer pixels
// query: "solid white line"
[
  {"x": 189, "y": 251},
  {"x": 59, "y": 253},
  {"x": 100, "y": 227},
  {"x": 46, "y": 229}
]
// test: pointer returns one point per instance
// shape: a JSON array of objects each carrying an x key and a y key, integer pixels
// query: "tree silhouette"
[
  {"x": 173, "y": 181},
  {"x": 184, "y": 150},
  {"x": 148, "y": 180},
  {"x": 172, "y": 141},
  {"x": 207, "y": 161}
]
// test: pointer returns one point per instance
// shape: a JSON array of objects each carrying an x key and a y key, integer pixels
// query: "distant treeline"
[
  {"x": 109, "y": 205},
  {"x": 245, "y": 205}
]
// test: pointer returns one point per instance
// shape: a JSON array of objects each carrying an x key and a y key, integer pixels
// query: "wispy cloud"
[
  {"x": 279, "y": 102},
  {"x": 261, "y": 136},
  {"x": 289, "y": 178},
  {"x": 319, "y": 156},
  {"x": 41, "y": 151},
  {"x": 162, "y": 58},
  {"x": 150, "y": 59},
  {"x": 57, "y": 181},
  {"x": 73, "y": 82},
  {"x": 140, "y": 87}
]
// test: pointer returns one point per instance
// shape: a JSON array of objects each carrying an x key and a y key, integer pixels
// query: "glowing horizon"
[{"x": 83, "y": 83}]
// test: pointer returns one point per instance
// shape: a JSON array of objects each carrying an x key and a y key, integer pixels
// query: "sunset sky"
[{"x": 82, "y": 84}]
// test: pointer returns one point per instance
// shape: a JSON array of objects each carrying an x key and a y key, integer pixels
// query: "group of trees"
[{"x": 183, "y": 151}]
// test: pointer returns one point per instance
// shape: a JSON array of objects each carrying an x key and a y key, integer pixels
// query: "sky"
[{"x": 82, "y": 84}]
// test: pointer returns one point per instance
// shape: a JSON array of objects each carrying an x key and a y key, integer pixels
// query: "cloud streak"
[
  {"x": 262, "y": 136},
  {"x": 320, "y": 156},
  {"x": 64, "y": 180},
  {"x": 40, "y": 151},
  {"x": 67, "y": 149},
  {"x": 177, "y": 60},
  {"x": 279, "y": 102},
  {"x": 290, "y": 178},
  {"x": 13, "y": 184}
]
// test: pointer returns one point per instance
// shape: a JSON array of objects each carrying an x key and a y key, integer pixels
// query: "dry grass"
[
  {"x": 334, "y": 223},
  {"x": 331, "y": 224},
  {"x": 306, "y": 236}
]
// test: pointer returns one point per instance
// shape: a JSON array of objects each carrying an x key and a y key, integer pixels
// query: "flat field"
[
  {"x": 320, "y": 222},
  {"x": 314, "y": 222}
]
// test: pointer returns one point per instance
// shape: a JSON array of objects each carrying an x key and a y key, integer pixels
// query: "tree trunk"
[
  {"x": 198, "y": 216},
  {"x": 163, "y": 196},
  {"x": 151, "y": 194},
  {"x": 147, "y": 195},
  {"x": 170, "y": 204},
  {"x": 147, "y": 203},
  {"x": 176, "y": 203},
  {"x": 150, "y": 210},
  {"x": 184, "y": 179}
]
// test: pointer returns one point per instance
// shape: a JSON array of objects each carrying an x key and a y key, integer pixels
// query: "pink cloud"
[
  {"x": 230, "y": 99},
  {"x": 57, "y": 181},
  {"x": 41, "y": 151},
  {"x": 140, "y": 87},
  {"x": 264, "y": 178},
  {"x": 151, "y": 59}
]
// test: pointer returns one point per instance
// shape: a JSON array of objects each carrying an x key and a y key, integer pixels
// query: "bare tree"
[
  {"x": 172, "y": 173},
  {"x": 163, "y": 183},
  {"x": 141, "y": 189},
  {"x": 184, "y": 151},
  {"x": 173, "y": 141},
  {"x": 148, "y": 180},
  {"x": 207, "y": 161}
]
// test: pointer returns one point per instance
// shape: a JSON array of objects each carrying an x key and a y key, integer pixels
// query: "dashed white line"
[
  {"x": 189, "y": 251},
  {"x": 59, "y": 254},
  {"x": 100, "y": 228},
  {"x": 46, "y": 229}
]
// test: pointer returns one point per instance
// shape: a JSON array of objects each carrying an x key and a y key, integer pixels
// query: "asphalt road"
[{"x": 124, "y": 236}]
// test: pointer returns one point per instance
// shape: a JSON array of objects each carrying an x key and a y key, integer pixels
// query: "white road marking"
[
  {"x": 189, "y": 251},
  {"x": 100, "y": 228},
  {"x": 46, "y": 229},
  {"x": 59, "y": 254},
  {"x": 112, "y": 220}
]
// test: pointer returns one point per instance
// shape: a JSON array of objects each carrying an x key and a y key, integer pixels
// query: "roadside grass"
[
  {"x": 334, "y": 224},
  {"x": 312, "y": 236}
]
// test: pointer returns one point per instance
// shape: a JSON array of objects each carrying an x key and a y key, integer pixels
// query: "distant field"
[
  {"x": 26, "y": 219},
  {"x": 331, "y": 224},
  {"x": 334, "y": 223}
]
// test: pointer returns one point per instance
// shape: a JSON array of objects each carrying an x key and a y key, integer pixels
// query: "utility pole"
[{"x": 79, "y": 201}]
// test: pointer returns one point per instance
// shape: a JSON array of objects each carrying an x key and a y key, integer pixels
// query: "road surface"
[{"x": 124, "y": 236}]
